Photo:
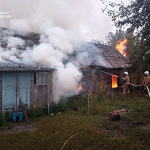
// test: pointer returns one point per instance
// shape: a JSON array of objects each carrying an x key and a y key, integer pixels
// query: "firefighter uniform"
[
  {"x": 126, "y": 84},
  {"x": 146, "y": 82}
]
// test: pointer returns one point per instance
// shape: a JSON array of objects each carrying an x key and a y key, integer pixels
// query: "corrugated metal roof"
[
  {"x": 21, "y": 67},
  {"x": 113, "y": 57}
]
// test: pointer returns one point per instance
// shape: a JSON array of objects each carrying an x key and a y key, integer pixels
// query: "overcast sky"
[{"x": 84, "y": 16}]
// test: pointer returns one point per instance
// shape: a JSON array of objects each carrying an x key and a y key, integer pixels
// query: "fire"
[
  {"x": 114, "y": 82},
  {"x": 120, "y": 46},
  {"x": 80, "y": 87}
]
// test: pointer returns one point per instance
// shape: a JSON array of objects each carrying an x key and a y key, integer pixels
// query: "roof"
[
  {"x": 113, "y": 58},
  {"x": 21, "y": 67}
]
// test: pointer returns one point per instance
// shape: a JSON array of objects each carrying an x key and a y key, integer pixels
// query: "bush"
[
  {"x": 5, "y": 122},
  {"x": 60, "y": 107},
  {"x": 2, "y": 120},
  {"x": 38, "y": 112},
  {"x": 72, "y": 102},
  {"x": 76, "y": 101}
]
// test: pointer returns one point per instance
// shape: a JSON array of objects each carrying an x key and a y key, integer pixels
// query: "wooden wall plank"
[
  {"x": 32, "y": 91},
  {"x": 50, "y": 93},
  {"x": 42, "y": 95},
  {"x": 35, "y": 98}
]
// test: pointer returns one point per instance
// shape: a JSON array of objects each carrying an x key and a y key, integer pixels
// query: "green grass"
[{"x": 88, "y": 131}]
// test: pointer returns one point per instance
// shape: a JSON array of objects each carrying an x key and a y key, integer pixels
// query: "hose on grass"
[{"x": 68, "y": 140}]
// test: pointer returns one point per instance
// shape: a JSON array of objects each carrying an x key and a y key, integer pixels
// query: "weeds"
[
  {"x": 2, "y": 120},
  {"x": 40, "y": 112},
  {"x": 5, "y": 122}
]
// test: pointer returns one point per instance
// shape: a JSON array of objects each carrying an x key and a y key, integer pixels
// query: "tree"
[
  {"x": 111, "y": 38},
  {"x": 133, "y": 45},
  {"x": 136, "y": 15}
]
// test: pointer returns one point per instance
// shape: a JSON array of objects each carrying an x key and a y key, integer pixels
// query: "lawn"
[{"x": 88, "y": 131}]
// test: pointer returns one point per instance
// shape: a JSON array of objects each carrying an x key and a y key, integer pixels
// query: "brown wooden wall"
[
  {"x": 100, "y": 81},
  {"x": 40, "y": 94}
]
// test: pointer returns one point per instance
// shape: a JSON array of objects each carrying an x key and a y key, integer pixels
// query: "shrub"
[
  {"x": 38, "y": 112},
  {"x": 5, "y": 122},
  {"x": 2, "y": 120},
  {"x": 60, "y": 107}
]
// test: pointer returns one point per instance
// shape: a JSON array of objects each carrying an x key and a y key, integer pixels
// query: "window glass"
[{"x": 41, "y": 78}]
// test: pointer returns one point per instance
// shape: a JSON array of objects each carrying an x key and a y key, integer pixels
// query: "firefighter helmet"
[
  {"x": 146, "y": 73},
  {"x": 126, "y": 73}
]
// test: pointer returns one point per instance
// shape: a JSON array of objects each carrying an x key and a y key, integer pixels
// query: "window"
[
  {"x": 114, "y": 82},
  {"x": 41, "y": 78}
]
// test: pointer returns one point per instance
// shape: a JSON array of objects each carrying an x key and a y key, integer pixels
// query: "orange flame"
[
  {"x": 120, "y": 46},
  {"x": 80, "y": 87},
  {"x": 114, "y": 82}
]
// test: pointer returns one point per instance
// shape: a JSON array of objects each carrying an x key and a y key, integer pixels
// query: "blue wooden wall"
[{"x": 15, "y": 86}]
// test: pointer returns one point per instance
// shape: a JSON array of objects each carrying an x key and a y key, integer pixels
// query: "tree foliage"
[
  {"x": 136, "y": 15},
  {"x": 133, "y": 45},
  {"x": 111, "y": 38}
]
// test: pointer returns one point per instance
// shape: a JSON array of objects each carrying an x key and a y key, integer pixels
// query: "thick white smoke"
[
  {"x": 58, "y": 22},
  {"x": 65, "y": 83},
  {"x": 14, "y": 42},
  {"x": 82, "y": 16}
]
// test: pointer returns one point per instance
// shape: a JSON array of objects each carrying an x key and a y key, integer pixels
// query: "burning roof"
[{"x": 113, "y": 57}]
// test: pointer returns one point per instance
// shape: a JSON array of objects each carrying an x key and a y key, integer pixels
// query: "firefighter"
[
  {"x": 126, "y": 84},
  {"x": 146, "y": 82}
]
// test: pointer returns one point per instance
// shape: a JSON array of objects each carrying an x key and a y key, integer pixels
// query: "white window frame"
[{"x": 38, "y": 76}]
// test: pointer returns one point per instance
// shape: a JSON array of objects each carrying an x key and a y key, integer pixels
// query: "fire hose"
[
  {"x": 109, "y": 73},
  {"x": 142, "y": 85},
  {"x": 129, "y": 83}
]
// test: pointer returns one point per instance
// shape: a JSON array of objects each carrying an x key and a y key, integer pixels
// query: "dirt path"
[{"x": 21, "y": 126}]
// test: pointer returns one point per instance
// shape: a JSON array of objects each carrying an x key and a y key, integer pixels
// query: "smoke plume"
[{"x": 58, "y": 22}]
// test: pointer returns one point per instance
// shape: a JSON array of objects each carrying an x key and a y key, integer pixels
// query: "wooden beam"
[{"x": 21, "y": 106}]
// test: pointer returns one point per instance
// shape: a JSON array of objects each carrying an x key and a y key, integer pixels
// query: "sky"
[{"x": 82, "y": 16}]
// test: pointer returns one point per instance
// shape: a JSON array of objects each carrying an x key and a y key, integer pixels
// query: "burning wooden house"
[
  {"x": 105, "y": 75},
  {"x": 33, "y": 83}
]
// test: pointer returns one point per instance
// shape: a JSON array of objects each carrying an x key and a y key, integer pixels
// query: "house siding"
[
  {"x": 15, "y": 86},
  {"x": 40, "y": 94}
]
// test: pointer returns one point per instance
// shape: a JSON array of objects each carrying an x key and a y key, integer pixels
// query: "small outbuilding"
[{"x": 31, "y": 84}]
